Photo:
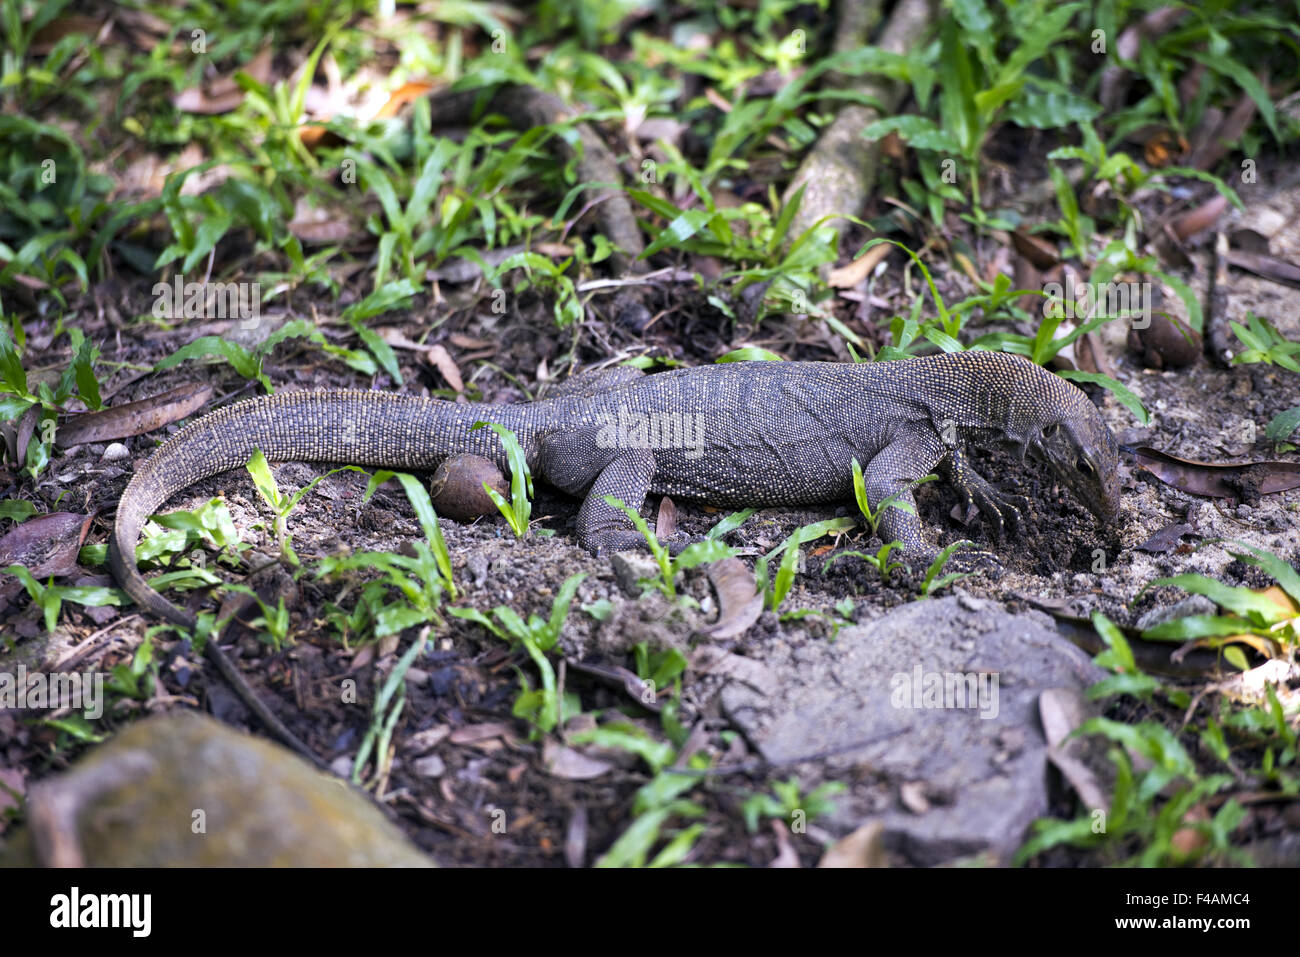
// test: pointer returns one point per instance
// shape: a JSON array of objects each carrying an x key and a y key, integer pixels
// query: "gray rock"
[
  {"x": 629, "y": 568},
  {"x": 181, "y": 790},
  {"x": 886, "y": 695},
  {"x": 430, "y": 766}
]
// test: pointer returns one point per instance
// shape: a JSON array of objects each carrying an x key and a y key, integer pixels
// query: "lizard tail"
[
  {"x": 341, "y": 426},
  {"x": 346, "y": 427}
]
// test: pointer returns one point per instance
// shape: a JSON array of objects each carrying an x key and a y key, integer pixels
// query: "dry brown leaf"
[
  {"x": 224, "y": 94},
  {"x": 134, "y": 418},
  {"x": 666, "y": 520},
  {"x": 850, "y": 274},
  {"x": 438, "y": 357},
  {"x": 1040, "y": 253},
  {"x": 739, "y": 602},
  {"x": 570, "y": 764},
  {"x": 786, "y": 855},
  {"x": 1241, "y": 480},
  {"x": 45, "y": 544},
  {"x": 478, "y": 733},
  {"x": 314, "y": 224},
  {"x": 709, "y": 659},
  {"x": 863, "y": 848},
  {"x": 1201, "y": 218}
]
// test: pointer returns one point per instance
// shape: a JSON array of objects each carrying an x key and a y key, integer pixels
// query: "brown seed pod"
[
  {"x": 457, "y": 487},
  {"x": 1166, "y": 343}
]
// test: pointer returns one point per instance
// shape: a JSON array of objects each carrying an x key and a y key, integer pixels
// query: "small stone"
[
  {"x": 629, "y": 568},
  {"x": 115, "y": 452},
  {"x": 478, "y": 568},
  {"x": 430, "y": 766}
]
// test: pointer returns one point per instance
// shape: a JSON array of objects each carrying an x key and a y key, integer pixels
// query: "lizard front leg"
[
  {"x": 1000, "y": 509},
  {"x": 893, "y": 471}
]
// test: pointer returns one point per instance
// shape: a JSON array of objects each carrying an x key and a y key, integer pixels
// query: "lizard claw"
[{"x": 1002, "y": 510}]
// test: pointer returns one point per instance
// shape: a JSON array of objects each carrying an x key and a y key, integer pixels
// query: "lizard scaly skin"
[{"x": 735, "y": 434}]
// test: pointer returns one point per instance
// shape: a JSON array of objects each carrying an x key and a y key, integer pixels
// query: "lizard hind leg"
[
  {"x": 574, "y": 462},
  {"x": 605, "y": 528}
]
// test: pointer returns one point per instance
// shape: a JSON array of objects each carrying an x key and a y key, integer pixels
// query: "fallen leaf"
[
  {"x": 318, "y": 224},
  {"x": 1040, "y": 253},
  {"x": 438, "y": 357},
  {"x": 865, "y": 847},
  {"x": 45, "y": 544},
  {"x": 1061, "y": 710},
  {"x": 408, "y": 92},
  {"x": 739, "y": 601},
  {"x": 1165, "y": 540},
  {"x": 666, "y": 520},
  {"x": 1270, "y": 267},
  {"x": 133, "y": 418},
  {"x": 1201, "y": 218},
  {"x": 850, "y": 274},
  {"x": 786, "y": 856},
  {"x": 912, "y": 794},
  {"x": 224, "y": 94},
  {"x": 569, "y": 764},
  {"x": 709, "y": 659},
  {"x": 1241, "y": 480},
  {"x": 476, "y": 733}
]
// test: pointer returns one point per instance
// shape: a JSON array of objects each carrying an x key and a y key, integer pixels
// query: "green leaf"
[
  {"x": 730, "y": 523},
  {"x": 13, "y": 378},
  {"x": 83, "y": 372},
  {"x": 682, "y": 228},
  {"x": 19, "y": 509},
  {"x": 1121, "y": 393},
  {"x": 750, "y": 354},
  {"x": 917, "y": 131},
  {"x": 1120, "y": 656},
  {"x": 1244, "y": 601},
  {"x": 1050, "y": 109},
  {"x": 1197, "y": 626},
  {"x": 236, "y": 355},
  {"x": 264, "y": 481},
  {"x": 1280, "y": 429},
  {"x": 702, "y": 553},
  {"x": 1283, "y": 573},
  {"x": 389, "y": 296},
  {"x": 783, "y": 220},
  {"x": 560, "y": 607},
  {"x": 1237, "y": 72}
]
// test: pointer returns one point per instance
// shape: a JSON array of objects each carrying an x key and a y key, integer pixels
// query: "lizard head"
[{"x": 1081, "y": 451}]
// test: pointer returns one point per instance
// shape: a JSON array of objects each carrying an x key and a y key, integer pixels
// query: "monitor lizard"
[{"x": 732, "y": 434}]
